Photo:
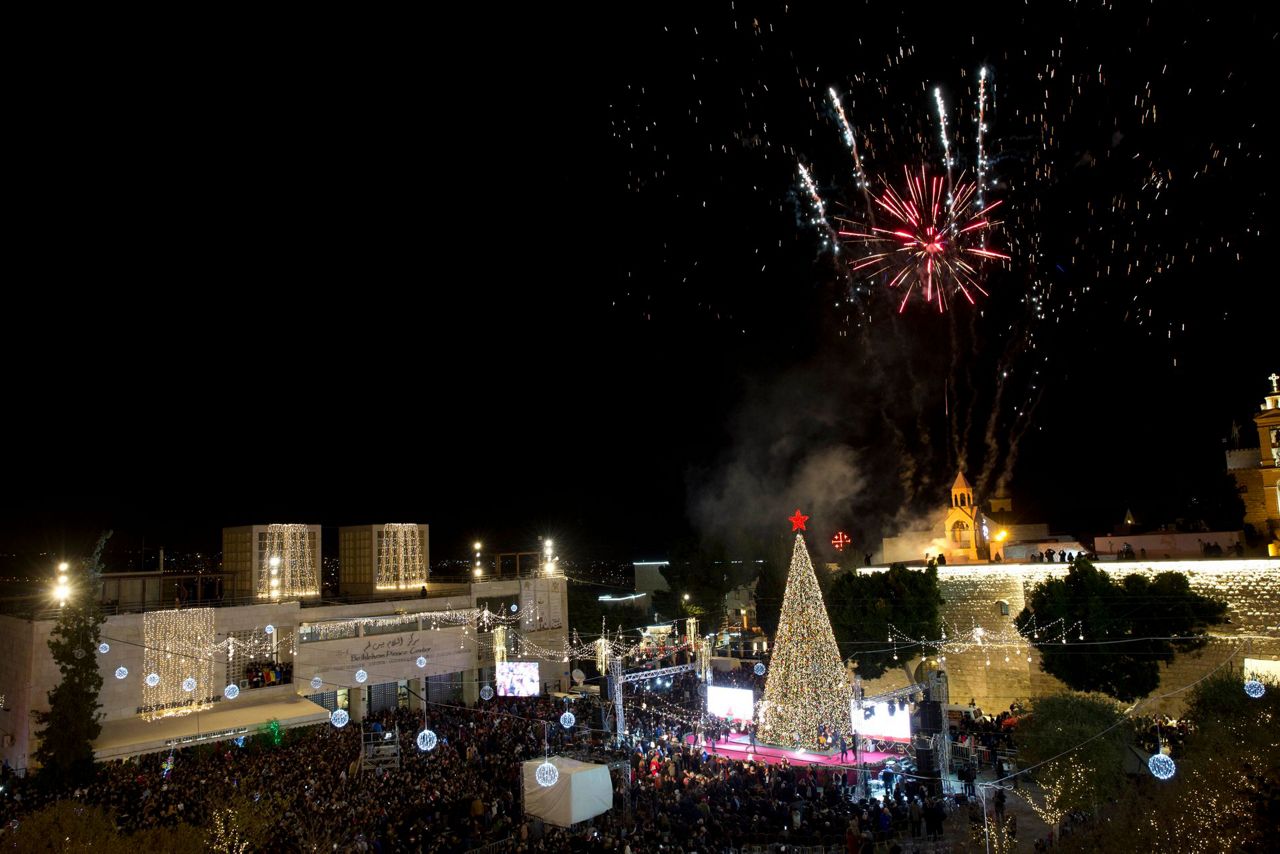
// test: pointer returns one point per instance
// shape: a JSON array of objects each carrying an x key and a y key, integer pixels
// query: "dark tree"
[
  {"x": 68, "y": 728},
  {"x": 1156, "y": 617},
  {"x": 863, "y": 605}
]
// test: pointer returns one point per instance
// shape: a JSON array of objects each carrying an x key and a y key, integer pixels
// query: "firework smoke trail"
[
  {"x": 820, "y": 206},
  {"x": 851, "y": 140},
  {"x": 982, "y": 155},
  {"x": 946, "y": 142}
]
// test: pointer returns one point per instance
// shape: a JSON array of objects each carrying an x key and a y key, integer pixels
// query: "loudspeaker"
[{"x": 930, "y": 717}]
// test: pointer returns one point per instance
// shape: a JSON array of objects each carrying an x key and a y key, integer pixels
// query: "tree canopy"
[
  {"x": 1155, "y": 617},
  {"x": 863, "y": 605},
  {"x": 1090, "y": 729}
]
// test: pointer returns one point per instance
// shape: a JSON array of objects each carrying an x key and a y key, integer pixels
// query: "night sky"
[{"x": 556, "y": 275}]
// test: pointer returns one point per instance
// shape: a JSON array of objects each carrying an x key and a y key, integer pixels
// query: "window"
[{"x": 1004, "y": 608}]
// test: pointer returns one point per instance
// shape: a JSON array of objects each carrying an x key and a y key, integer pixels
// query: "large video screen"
[
  {"x": 518, "y": 679},
  {"x": 734, "y": 703},
  {"x": 896, "y": 726}
]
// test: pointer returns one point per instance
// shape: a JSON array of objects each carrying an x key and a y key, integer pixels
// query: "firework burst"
[{"x": 935, "y": 242}]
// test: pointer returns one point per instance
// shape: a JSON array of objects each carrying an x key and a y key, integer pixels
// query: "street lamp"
[
  {"x": 62, "y": 589},
  {"x": 477, "y": 571}
]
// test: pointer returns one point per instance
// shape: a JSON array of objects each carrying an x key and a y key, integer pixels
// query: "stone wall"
[{"x": 973, "y": 595}]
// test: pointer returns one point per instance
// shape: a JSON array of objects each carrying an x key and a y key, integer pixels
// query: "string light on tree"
[{"x": 806, "y": 687}]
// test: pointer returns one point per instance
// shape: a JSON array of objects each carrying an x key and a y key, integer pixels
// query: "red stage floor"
[{"x": 739, "y": 747}]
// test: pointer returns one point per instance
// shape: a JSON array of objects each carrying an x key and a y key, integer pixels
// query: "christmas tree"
[
  {"x": 68, "y": 728},
  {"x": 806, "y": 688}
]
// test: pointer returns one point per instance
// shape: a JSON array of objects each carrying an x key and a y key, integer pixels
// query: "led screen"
[
  {"x": 518, "y": 679},
  {"x": 734, "y": 703},
  {"x": 882, "y": 724}
]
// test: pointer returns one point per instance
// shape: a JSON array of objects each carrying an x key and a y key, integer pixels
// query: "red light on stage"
[{"x": 840, "y": 540}]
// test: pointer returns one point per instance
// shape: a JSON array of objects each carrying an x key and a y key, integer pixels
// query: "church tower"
[
  {"x": 965, "y": 528},
  {"x": 1257, "y": 471}
]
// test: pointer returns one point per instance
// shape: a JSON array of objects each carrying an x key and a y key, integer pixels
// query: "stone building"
[{"x": 1257, "y": 471}]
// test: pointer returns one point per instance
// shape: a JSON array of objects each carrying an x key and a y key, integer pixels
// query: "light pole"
[{"x": 477, "y": 571}]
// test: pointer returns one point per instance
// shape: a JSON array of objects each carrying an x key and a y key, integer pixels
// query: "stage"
[{"x": 739, "y": 747}]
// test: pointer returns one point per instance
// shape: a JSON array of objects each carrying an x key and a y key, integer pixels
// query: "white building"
[
  {"x": 276, "y": 561},
  {"x": 273, "y": 653}
]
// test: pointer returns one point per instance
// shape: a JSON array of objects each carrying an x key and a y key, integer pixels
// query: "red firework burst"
[{"x": 933, "y": 243}]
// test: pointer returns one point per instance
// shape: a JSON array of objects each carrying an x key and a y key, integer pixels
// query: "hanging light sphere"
[
  {"x": 1254, "y": 688},
  {"x": 546, "y": 775},
  {"x": 153, "y": 679},
  {"x": 339, "y": 718},
  {"x": 1161, "y": 766},
  {"x": 361, "y": 676},
  {"x": 567, "y": 720},
  {"x": 514, "y": 607},
  {"x": 270, "y": 629},
  {"x": 122, "y": 672},
  {"x": 231, "y": 692},
  {"x": 104, "y": 647},
  {"x": 486, "y": 693},
  {"x": 759, "y": 668},
  {"x": 188, "y": 684},
  {"x": 426, "y": 740},
  {"x": 421, "y": 662},
  {"x": 316, "y": 683}
]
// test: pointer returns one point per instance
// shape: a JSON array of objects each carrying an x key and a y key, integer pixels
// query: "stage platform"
[{"x": 739, "y": 747}]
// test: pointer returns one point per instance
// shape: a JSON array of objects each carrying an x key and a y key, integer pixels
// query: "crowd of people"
[{"x": 312, "y": 793}]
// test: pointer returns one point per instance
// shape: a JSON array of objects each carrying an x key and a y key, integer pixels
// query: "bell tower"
[{"x": 964, "y": 529}]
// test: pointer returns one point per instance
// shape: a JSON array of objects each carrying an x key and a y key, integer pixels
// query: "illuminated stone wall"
[{"x": 973, "y": 595}]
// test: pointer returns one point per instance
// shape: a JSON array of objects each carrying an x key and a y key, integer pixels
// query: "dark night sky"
[{"x": 467, "y": 272}]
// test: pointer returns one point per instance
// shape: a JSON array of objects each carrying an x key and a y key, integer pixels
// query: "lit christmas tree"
[{"x": 806, "y": 688}]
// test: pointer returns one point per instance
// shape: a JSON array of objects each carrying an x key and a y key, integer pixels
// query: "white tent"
[{"x": 583, "y": 791}]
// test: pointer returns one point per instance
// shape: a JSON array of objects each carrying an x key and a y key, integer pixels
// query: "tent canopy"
[{"x": 583, "y": 791}]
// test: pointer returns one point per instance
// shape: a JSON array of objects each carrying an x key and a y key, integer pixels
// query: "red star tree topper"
[{"x": 797, "y": 521}]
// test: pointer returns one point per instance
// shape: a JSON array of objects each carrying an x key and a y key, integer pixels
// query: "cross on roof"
[{"x": 1275, "y": 380}]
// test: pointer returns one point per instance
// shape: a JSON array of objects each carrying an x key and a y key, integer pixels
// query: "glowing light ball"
[
  {"x": 188, "y": 684},
  {"x": 316, "y": 683},
  {"x": 270, "y": 629},
  {"x": 759, "y": 668},
  {"x": 1161, "y": 766},
  {"x": 486, "y": 693},
  {"x": 361, "y": 676},
  {"x": 546, "y": 775},
  {"x": 153, "y": 679},
  {"x": 514, "y": 608},
  {"x": 1254, "y": 688},
  {"x": 122, "y": 672},
  {"x": 339, "y": 718},
  {"x": 231, "y": 692},
  {"x": 426, "y": 740},
  {"x": 104, "y": 647},
  {"x": 422, "y": 661},
  {"x": 567, "y": 720}
]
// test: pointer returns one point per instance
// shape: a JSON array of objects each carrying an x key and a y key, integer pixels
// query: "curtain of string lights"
[
  {"x": 401, "y": 565},
  {"x": 290, "y": 568},
  {"x": 177, "y": 649}
]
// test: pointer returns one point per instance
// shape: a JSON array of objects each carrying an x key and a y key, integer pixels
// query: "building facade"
[
  {"x": 177, "y": 676},
  {"x": 1257, "y": 471}
]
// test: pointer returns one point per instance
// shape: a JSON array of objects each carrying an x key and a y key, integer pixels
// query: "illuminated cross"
[
  {"x": 840, "y": 540},
  {"x": 1274, "y": 381}
]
